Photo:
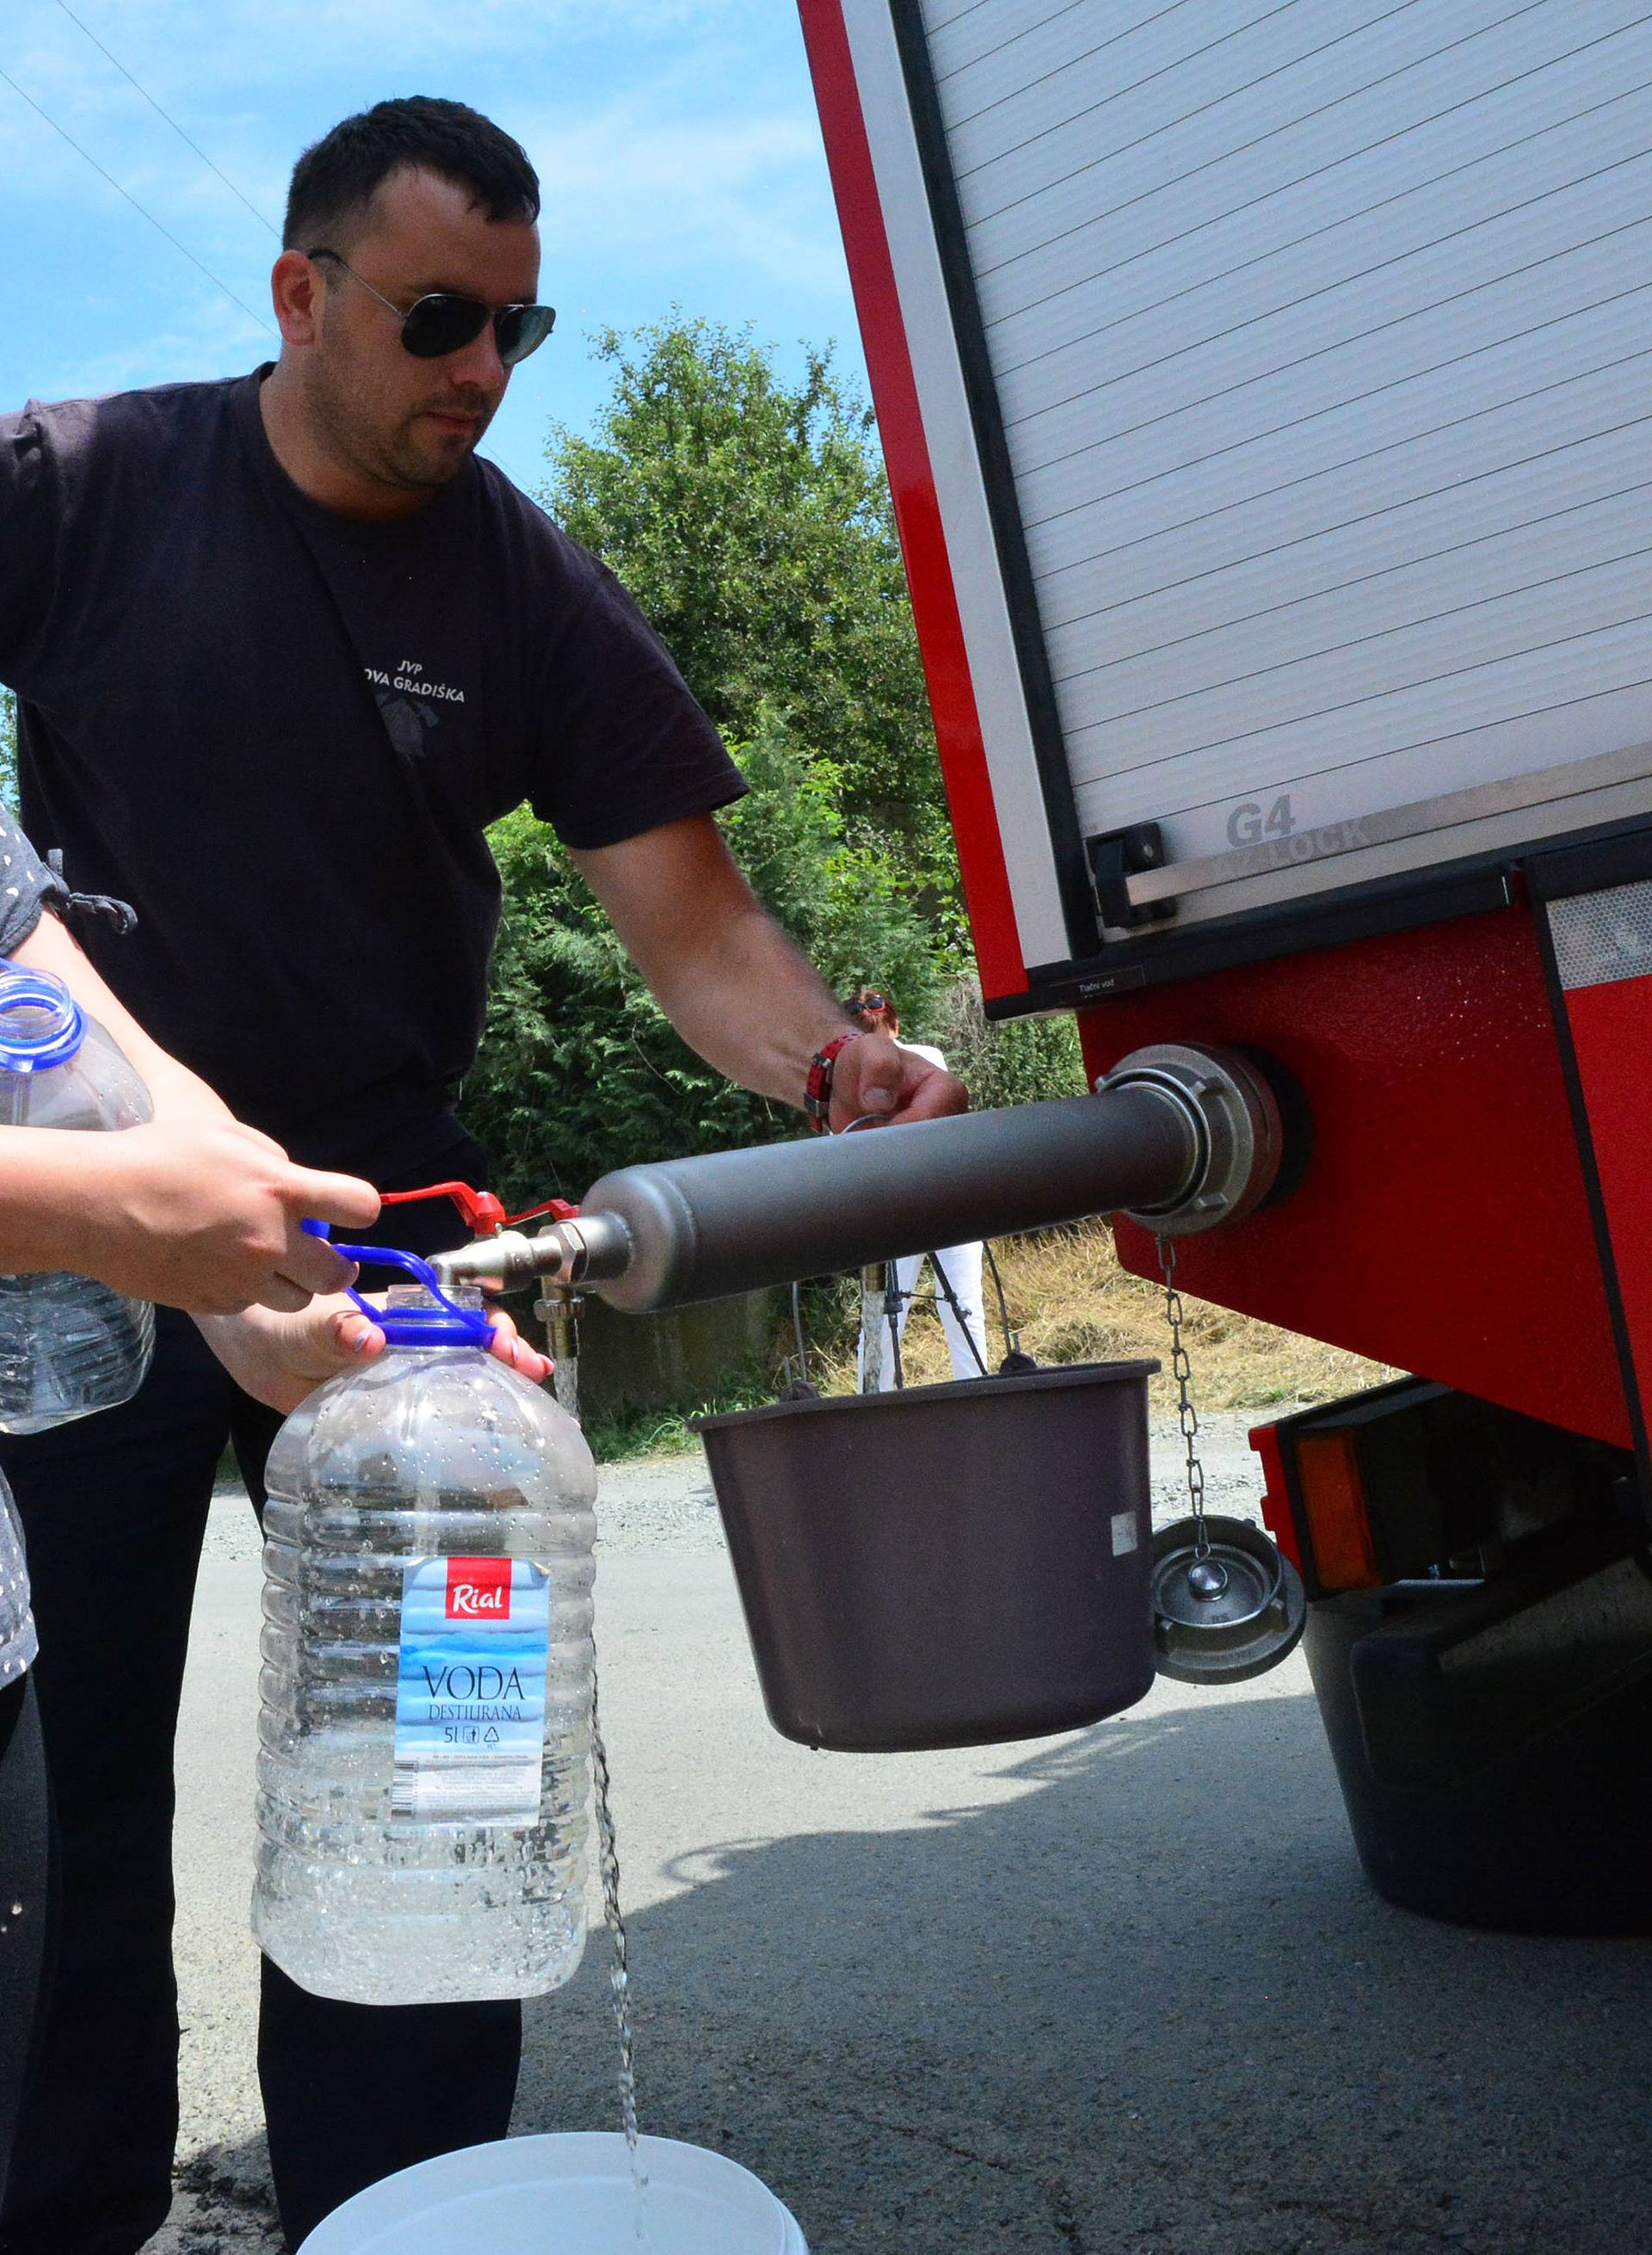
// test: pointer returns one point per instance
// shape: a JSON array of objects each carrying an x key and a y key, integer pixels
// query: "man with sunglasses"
[{"x": 283, "y": 646}]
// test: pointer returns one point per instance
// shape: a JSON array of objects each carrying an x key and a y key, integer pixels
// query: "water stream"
[
  {"x": 619, "y": 1969},
  {"x": 565, "y": 1383}
]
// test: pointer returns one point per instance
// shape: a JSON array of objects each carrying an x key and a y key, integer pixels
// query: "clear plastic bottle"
[
  {"x": 68, "y": 1345},
  {"x": 423, "y": 1826}
]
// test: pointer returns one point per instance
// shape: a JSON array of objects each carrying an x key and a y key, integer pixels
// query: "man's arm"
[
  {"x": 200, "y": 1214},
  {"x": 193, "y": 1209},
  {"x": 735, "y": 987}
]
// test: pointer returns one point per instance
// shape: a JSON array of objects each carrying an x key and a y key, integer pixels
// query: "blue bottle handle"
[{"x": 445, "y": 1324}]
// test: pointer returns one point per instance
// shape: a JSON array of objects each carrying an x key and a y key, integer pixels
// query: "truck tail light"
[
  {"x": 1412, "y": 1481},
  {"x": 1276, "y": 1514},
  {"x": 1333, "y": 1503}
]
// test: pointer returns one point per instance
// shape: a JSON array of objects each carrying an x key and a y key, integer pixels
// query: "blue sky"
[{"x": 675, "y": 140}]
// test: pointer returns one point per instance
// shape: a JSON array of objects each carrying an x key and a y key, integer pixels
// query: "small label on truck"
[{"x": 470, "y": 1691}]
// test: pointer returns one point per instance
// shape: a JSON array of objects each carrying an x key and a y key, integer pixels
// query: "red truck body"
[
  {"x": 1263, "y": 392},
  {"x": 1444, "y": 1226}
]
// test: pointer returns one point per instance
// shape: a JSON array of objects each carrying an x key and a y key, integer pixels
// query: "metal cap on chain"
[
  {"x": 1232, "y": 1610},
  {"x": 1226, "y": 1603}
]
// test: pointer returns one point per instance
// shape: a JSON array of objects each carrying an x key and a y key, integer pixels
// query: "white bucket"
[{"x": 567, "y": 2195}]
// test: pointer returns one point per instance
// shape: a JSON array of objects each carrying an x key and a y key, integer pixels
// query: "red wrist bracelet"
[{"x": 817, "y": 1090}]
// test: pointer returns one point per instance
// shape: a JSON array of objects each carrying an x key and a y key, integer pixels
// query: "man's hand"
[
  {"x": 204, "y": 1214},
  {"x": 279, "y": 1358},
  {"x": 875, "y": 1075},
  {"x": 735, "y": 987}
]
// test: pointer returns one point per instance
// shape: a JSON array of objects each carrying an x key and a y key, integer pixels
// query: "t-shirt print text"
[
  {"x": 410, "y": 676},
  {"x": 411, "y": 704}
]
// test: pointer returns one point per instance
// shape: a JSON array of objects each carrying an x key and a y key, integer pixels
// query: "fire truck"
[{"x": 1264, "y": 391}]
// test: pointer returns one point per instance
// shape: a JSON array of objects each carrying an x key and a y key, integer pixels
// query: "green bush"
[{"x": 1009, "y": 1061}]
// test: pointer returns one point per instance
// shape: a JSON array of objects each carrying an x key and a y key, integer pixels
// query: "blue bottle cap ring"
[{"x": 41, "y": 1024}]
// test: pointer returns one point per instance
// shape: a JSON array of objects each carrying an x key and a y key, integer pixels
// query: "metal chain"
[{"x": 1187, "y": 1416}]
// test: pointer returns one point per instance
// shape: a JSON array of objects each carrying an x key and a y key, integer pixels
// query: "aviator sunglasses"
[{"x": 445, "y": 322}]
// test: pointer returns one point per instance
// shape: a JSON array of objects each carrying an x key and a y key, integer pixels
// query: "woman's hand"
[
  {"x": 203, "y": 1213},
  {"x": 279, "y": 1358},
  {"x": 198, "y": 1212}
]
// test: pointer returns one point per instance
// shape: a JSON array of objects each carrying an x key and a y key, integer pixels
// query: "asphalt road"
[{"x": 1120, "y": 1990}]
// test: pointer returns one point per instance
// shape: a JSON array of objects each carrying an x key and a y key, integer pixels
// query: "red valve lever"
[
  {"x": 482, "y": 1212},
  {"x": 558, "y": 1209}
]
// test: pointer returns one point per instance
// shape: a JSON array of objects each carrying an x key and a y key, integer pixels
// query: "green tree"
[
  {"x": 1016, "y": 1061},
  {"x": 751, "y": 518}
]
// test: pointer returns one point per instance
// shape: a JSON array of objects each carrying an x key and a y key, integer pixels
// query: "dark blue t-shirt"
[{"x": 280, "y": 734}]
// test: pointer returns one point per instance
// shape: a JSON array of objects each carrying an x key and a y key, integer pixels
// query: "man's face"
[{"x": 400, "y": 422}]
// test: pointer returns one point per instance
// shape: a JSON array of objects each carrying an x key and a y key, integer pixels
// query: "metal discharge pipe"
[
  {"x": 1187, "y": 1134},
  {"x": 733, "y": 1221}
]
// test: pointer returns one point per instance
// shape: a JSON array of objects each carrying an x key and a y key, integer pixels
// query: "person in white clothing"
[{"x": 956, "y": 1278}]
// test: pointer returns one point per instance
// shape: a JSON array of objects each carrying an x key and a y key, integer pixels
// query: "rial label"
[
  {"x": 470, "y": 1691},
  {"x": 479, "y": 1589}
]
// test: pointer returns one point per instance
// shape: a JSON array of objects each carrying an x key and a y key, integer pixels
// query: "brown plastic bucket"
[{"x": 944, "y": 1565}]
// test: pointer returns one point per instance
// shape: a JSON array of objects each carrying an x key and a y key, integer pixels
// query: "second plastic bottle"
[
  {"x": 68, "y": 1345},
  {"x": 424, "y": 1771}
]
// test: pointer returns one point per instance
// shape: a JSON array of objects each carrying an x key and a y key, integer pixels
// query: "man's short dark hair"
[{"x": 335, "y": 182}]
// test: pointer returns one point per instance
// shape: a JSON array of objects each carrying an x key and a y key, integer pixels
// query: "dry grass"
[{"x": 1071, "y": 1302}]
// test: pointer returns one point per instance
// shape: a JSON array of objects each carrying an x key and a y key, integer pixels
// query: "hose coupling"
[{"x": 596, "y": 1245}]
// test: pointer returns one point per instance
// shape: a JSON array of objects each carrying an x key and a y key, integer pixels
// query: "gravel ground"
[{"x": 1120, "y": 1989}]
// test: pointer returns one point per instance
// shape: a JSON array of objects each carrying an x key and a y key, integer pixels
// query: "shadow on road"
[{"x": 1148, "y": 2003}]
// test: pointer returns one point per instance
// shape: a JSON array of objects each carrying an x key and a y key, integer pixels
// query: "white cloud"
[
  {"x": 651, "y": 187},
  {"x": 688, "y": 162},
  {"x": 214, "y": 65}
]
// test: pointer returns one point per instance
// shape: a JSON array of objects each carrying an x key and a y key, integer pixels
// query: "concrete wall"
[{"x": 675, "y": 1357}]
